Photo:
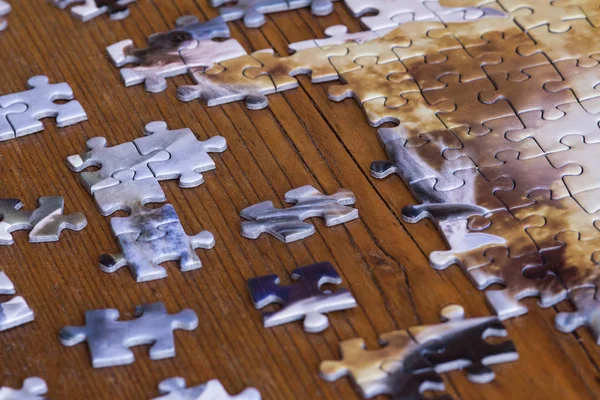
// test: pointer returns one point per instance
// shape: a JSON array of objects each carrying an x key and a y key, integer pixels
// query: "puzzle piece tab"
[
  {"x": 175, "y": 389},
  {"x": 34, "y": 388}
]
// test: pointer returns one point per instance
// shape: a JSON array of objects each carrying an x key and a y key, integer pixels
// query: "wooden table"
[{"x": 302, "y": 138}]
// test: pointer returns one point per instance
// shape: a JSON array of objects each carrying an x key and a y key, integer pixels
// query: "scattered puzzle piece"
[
  {"x": 90, "y": 9},
  {"x": 303, "y": 299},
  {"x": 14, "y": 312},
  {"x": 34, "y": 388},
  {"x": 287, "y": 224},
  {"x": 109, "y": 339},
  {"x": 175, "y": 389}
]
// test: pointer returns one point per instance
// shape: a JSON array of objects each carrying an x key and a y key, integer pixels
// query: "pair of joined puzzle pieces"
[
  {"x": 20, "y": 113},
  {"x": 86, "y": 10},
  {"x": 303, "y": 299},
  {"x": 44, "y": 223},
  {"x": 175, "y": 389},
  {"x": 109, "y": 339},
  {"x": 188, "y": 47},
  {"x": 128, "y": 179},
  {"x": 410, "y": 361},
  {"x": 14, "y": 312},
  {"x": 288, "y": 224}
]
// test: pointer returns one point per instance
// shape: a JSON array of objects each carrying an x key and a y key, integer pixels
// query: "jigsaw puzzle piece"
[
  {"x": 226, "y": 83},
  {"x": 250, "y": 11},
  {"x": 461, "y": 14},
  {"x": 126, "y": 194},
  {"x": 4, "y": 10},
  {"x": 579, "y": 43},
  {"x": 464, "y": 344},
  {"x": 473, "y": 33},
  {"x": 304, "y": 299},
  {"x": 529, "y": 175},
  {"x": 7, "y": 131},
  {"x": 530, "y": 14},
  {"x": 14, "y": 312},
  {"x": 587, "y": 307},
  {"x": 40, "y": 104},
  {"x": 287, "y": 224},
  {"x": 336, "y": 35},
  {"x": 109, "y": 339},
  {"x": 206, "y": 53},
  {"x": 143, "y": 257},
  {"x": 591, "y": 8},
  {"x": 34, "y": 388},
  {"x": 90, "y": 9},
  {"x": 387, "y": 10},
  {"x": 188, "y": 26},
  {"x": 317, "y": 7},
  {"x": 145, "y": 222},
  {"x": 188, "y": 155},
  {"x": 175, "y": 389},
  {"x": 111, "y": 160},
  {"x": 511, "y": 273},
  {"x": 584, "y": 82}
]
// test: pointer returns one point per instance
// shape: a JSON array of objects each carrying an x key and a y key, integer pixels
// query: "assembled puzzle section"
[
  {"x": 410, "y": 361},
  {"x": 128, "y": 179},
  {"x": 175, "y": 388},
  {"x": 109, "y": 339},
  {"x": 20, "y": 113}
]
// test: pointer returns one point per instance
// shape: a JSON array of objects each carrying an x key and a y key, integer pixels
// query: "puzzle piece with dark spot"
[
  {"x": 40, "y": 101},
  {"x": 175, "y": 389},
  {"x": 145, "y": 222},
  {"x": 287, "y": 224},
  {"x": 109, "y": 339},
  {"x": 86, "y": 10},
  {"x": 143, "y": 257},
  {"x": 34, "y": 388},
  {"x": 303, "y": 299},
  {"x": 14, "y": 312},
  {"x": 45, "y": 223}
]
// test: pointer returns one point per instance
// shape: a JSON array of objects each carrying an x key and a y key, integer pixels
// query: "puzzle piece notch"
[
  {"x": 34, "y": 388},
  {"x": 287, "y": 224},
  {"x": 175, "y": 389},
  {"x": 109, "y": 339},
  {"x": 303, "y": 299},
  {"x": 14, "y": 312},
  {"x": 90, "y": 9},
  {"x": 143, "y": 257},
  {"x": 45, "y": 223},
  {"x": 188, "y": 156},
  {"x": 39, "y": 99}
]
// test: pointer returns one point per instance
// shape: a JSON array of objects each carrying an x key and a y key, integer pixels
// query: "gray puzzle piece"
[
  {"x": 7, "y": 132},
  {"x": 251, "y": 11},
  {"x": 4, "y": 10},
  {"x": 34, "y": 388},
  {"x": 143, "y": 257},
  {"x": 90, "y": 9},
  {"x": 126, "y": 194},
  {"x": 145, "y": 222},
  {"x": 287, "y": 224},
  {"x": 109, "y": 340},
  {"x": 303, "y": 299},
  {"x": 14, "y": 312},
  {"x": 175, "y": 389},
  {"x": 317, "y": 7},
  {"x": 189, "y": 156},
  {"x": 190, "y": 26},
  {"x": 40, "y": 104},
  {"x": 45, "y": 223},
  {"x": 110, "y": 160}
]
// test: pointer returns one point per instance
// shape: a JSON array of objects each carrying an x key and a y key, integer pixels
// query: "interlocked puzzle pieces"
[
  {"x": 109, "y": 339},
  {"x": 20, "y": 112},
  {"x": 14, "y": 312},
  {"x": 304, "y": 299},
  {"x": 90, "y": 9},
  {"x": 128, "y": 179},
  {"x": 4, "y": 9},
  {"x": 34, "y": 388},
  {"x": 175, "y": 389},
  {"x": 409, "y": 361},
  {"x": 288, "y": 224},
  {"x": 44, "y": 223}
]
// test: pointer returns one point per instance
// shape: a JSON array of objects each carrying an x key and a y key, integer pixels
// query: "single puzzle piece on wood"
[
  {"x": 109, "y": 339},
  {"x": 111, "y": 160},
  {"x": 126, "y": 194},
  {"x": 175, "y": 389},
  {"x": 188, "y": 155},
  {"x": 40, "y": 100},
  {"x": 226, "y": 82},
  {"x": 34, "y": 388},
  {"x": 14, "y": 312},
  {"x": 45, "y": 223},
  {"x": 90, "y": 9},
  {"x": 145, "y": 222},
  {"x": 423, "y": 351},
  {"x": 288, "y": 224},
  {"x": 303, "y": 299},
  {"x": 4, "y": 10},
  {"x": 143, "y": 257}
]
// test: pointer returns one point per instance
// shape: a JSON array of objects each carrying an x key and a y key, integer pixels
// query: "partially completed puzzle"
[{"x": 496, "y": 107}]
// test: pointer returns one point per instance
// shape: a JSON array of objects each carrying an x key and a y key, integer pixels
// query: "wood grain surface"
[{"x": 302, "y": 138}]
